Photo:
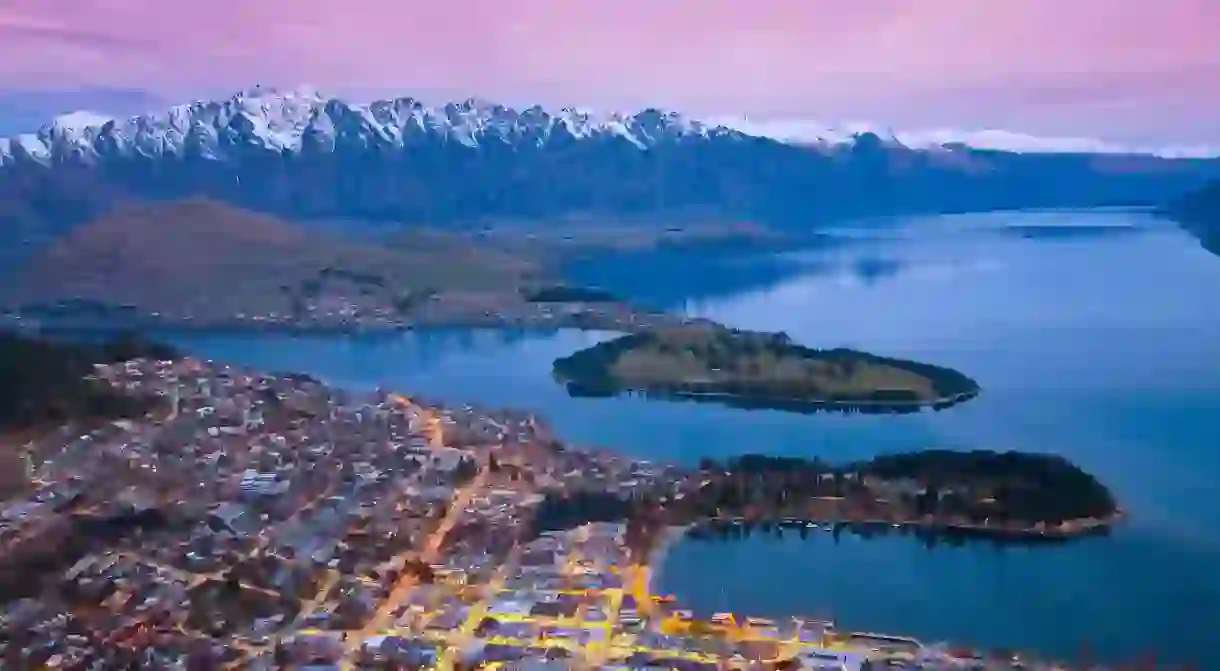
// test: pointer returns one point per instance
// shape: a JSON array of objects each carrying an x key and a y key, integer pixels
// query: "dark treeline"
[
  {"x": 643, "y": 514},
  {"x": 79, "y": 307},
  {"x": 564, "y": 293},
  {"x": 45, "y": 381},
  {"x": 559, "y": 511}
]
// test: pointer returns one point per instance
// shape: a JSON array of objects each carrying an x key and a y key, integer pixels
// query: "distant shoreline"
[
  {"x": 625, "y": 322},
  {"x": 656, "y": 557}
]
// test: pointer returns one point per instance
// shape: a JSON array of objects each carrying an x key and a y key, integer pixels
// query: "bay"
[{"x": 1095, "y": 335}]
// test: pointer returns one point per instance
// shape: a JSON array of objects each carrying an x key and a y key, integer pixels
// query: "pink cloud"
[{"x": 826, "y": 58}]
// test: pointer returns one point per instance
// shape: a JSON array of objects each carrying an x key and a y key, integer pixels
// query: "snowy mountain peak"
[
  {"x": 303, "y": 92},
  {"x": 303, "y": 119},
  {"x": 79, "y": 120}
]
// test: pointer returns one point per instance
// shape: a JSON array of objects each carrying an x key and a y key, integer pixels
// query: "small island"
[
  {"x": 749, "y": 369},
  {"x": 1017, "y": 497}
]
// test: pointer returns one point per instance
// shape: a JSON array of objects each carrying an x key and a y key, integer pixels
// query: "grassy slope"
[
  {"x": 659, "y": 361},
  {"x": 218, "y": 260}
]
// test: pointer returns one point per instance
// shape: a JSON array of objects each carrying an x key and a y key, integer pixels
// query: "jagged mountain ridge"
[
  {"x": 305, "y": 121},
  {"x": 301, "y": 154}
]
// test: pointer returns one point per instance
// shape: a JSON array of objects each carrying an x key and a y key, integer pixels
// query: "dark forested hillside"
[
  {"x": 1199, "y": 213},
  {"x": 44, "y": 381}
]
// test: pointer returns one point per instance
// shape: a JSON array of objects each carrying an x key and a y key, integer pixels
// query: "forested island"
[
  {"x": 1014, "y": 496},
  {"x": 757, "y": 370}
]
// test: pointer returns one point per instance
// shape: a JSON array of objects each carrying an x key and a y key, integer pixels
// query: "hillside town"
[{"x": 268, "y": 521}]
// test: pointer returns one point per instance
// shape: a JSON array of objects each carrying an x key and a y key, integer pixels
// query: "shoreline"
[
  {"x": 924, "y": 403},
  {"x": 801, "y": 405},
  {"x": 1069, "y": 529},
  {"x": 672, "y": 535},
  {"x": 627, "y": 322}
]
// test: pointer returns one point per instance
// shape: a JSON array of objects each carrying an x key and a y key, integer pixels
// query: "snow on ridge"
[
  {"x": 289, "y": 120},
  {"x": 81, "y": 119},
  {"x": 1002, "y": 140},
  {"x": 809, "y": 132},
  {"x": 792, "y": 132},
  {"x": 293, "y": 120}
]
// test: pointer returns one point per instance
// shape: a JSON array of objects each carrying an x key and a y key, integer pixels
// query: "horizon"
[
  {"x": 1143, "y": 74},
  {"x": 786, "y": 130}
]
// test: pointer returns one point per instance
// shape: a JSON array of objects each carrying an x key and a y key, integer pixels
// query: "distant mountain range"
[
  {"x": 25, "y": 110},
  {"x": 302, "y": 155}
]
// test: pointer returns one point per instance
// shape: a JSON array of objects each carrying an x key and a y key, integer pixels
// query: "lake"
[{"x": 1093, "y": 334}]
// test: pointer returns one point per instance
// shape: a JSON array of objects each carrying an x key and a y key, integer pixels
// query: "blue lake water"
[{"x": 1094, "y": 335}]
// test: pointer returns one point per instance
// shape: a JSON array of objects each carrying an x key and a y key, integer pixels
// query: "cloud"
[
  {"x": 931, "y": 62},
  {"x": 74, "y": 37}
]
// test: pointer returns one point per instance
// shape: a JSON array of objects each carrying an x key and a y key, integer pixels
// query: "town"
[{"x": 268, "y": 521}]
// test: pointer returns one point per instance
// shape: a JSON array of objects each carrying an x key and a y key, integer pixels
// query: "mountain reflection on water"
[{"x": 1103, "y": 348}]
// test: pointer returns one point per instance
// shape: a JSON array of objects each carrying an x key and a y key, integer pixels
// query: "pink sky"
[{"x": 1145, "y": 70}]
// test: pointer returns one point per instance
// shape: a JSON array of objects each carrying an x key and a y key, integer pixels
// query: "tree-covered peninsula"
[
  {"x": 754, "y": 369},
  {"x": 1016, "y": 496}
]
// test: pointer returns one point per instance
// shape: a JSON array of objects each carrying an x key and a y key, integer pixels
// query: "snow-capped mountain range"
[
  {"x": 303, "y": 119},
  {"x": 293, "y": 120},
  {"x": 301, "y": 154}
]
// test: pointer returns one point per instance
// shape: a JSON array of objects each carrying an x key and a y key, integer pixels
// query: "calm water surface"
[{"x": 1095, "y": 335}]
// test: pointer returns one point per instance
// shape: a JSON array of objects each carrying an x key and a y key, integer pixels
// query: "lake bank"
[
  {"x": 803, "y": 406},
  {"x": 931, "y": 530},
  {"x": 546, "y": 316}
]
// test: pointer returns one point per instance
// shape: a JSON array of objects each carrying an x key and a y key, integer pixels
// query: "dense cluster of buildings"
[{"x": 270, "y": 522}]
